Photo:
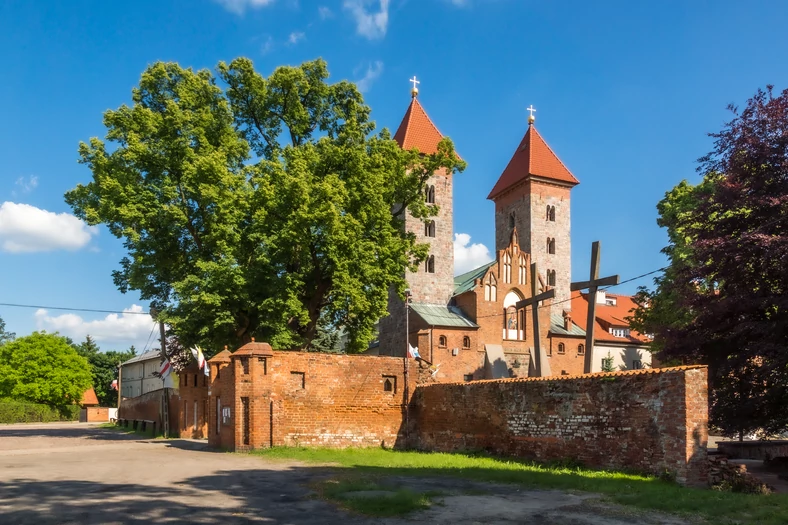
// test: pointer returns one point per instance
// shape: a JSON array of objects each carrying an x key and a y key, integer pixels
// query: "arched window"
[
  {"x": 512, "y": 218},
  {"x": 429, "y": 229},
  {"x": 466, "y": 342},
  {"x": 561, "y": 348},
  {"x": 388, "y": 386},
  {"x": 429, "y": 264},
  {"x": 523, "y": 270},
  {"x": 490, "y": 288},
  {"x": 430, "y": 194},
  {"x": 581, "y": 349},
  {"x": 550, "y": 277},
  {"x": 514, "y": 320},
  {"x": 442, "y": 341},
  {"x": 550, "y": 213},
  {"x": 507, "y": 267},
  {"x": 550, "y": 245}
]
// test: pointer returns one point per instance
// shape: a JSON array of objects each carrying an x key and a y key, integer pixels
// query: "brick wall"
[
  {"x": 193, "y": 404},
  {"x": 94, "y": 415},
  {"x": 647, "y": 420},
  {"x": 571, "y": 362},
  {"x": 147, "y": 407}
]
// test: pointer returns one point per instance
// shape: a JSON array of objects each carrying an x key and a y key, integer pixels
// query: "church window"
[
  {"x": 429, "y": 229},
  {"x": 466, "y": 342},
  {"x": 442, "y": 341},
  {"x": 581, "y": 349},
  {"x": 512, "y": 218},
  {"x": 430, "y": 194},
  {"x": 390, "y": 384},
  {"x": 507, "y": 268},
  {"x": 490, "y": 288},
  {"x": 561, "y": 348},
  {"x": 550, "y": 277},
  {"x": 550, "y": 213},
  {"x": 523, "y": 270},
  {"x": 550, "y": 245},
  {"x": 429, "y": 264}
]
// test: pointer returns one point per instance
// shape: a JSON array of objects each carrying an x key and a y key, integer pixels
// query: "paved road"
[{"x": 81, "y": 474}]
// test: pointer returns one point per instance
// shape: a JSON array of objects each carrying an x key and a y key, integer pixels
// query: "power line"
[
  {"x": 145, "y": 348},
  {"x": 73, "y": 309}
]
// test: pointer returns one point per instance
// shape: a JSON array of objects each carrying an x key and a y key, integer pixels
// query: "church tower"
[
  {"x": 533, "y": 196},
  {"x": 433, "y": 283}
]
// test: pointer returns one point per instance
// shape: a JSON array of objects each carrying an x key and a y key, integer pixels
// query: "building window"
[
  {"x": 581, "y": 349},
  {"x": 561, "y": 348},
  {"x": 264, "y": 364},
  {"x": 195, "y": 379},
  {"x": 429, "y": 229},
  {"x": 550, "y": 245},
  {"x": 429, "y": 264},
  {"x": 619, "y": 332},
  {"x": 466, "y": 342},
  {"x": 550, "y": 277},
  {"x": 442, "y": 341},
  {"x": 490, "y": 288},
  {"x": 390, "y": 384},
  {"x": 507, "y": 268},
  {"x": 245, "y": 365},
  {"x": 550, "y": 213},
  {"x": 523, "y": 270},
  {"x": 430, "y": 194},
  {"x": 511, "y": 220},
  {"x": 468, "y": 377},
  {"x": 298, "y": 380},
  {"x": 218, "y": 414},
  {"x": 245, "y": 420},
  {"x": 637, "y": 364}
]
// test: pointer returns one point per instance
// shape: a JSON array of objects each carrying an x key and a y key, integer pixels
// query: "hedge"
[{"x": 16, "y": 411}]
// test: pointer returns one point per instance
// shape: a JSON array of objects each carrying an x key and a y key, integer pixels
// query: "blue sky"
[{"x": 625, "y": 93}]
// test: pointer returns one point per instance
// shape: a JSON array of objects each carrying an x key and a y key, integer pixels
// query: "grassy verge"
[
  {"x": 116, "y": 428},
  {"x": 643, "y": 492}
]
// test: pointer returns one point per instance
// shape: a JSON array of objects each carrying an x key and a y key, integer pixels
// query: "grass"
[
  {"x": 353, "y": 494},
  {"x": 117, "y": 428},
  {"x": 643, "y": 492}
]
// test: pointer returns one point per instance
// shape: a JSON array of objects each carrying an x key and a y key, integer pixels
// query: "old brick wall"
[
  {"x": 646, "y": 420},
  {"x": 147, "y": 407},
  {"x": 94, "y": 415},
  {"x": 193, "y": 387}
]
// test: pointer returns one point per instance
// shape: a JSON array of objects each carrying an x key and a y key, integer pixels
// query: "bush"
[{"x": 15, "y": 411}]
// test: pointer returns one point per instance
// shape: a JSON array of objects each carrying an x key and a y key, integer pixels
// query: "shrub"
[{"x": 16, "y": 411}]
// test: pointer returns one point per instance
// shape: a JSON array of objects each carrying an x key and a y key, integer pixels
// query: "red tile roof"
[
  {"x": 89, "y": 398},
  {"x": 532, "y": 158},
  {"x": 417, "y": 130},
  {"x": 607, "y": 315}
]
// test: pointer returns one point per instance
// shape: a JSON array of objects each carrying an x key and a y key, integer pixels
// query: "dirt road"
[{"x": 82, "y": 474}]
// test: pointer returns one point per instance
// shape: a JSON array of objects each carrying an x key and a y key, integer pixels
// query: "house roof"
[
  {"x": 417, "y": 130},
  {"x": 89, "y": 398},
  {"x": 145, "y": 356},
  {"x": 533, "y": 157},
  {"x": 465, "y": 281},
  {"x": 607, "y": 314},
  {"x": 557, "y": 326},
  {"x": 442, "y": 315}
]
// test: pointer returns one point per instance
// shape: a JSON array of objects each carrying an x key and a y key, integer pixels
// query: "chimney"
[
  {"x": 601, "y": 297},
  {"x": 567, "y": 321}
]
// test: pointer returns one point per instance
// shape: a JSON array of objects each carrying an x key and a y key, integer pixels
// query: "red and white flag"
[{"x": 165, "y": 369}]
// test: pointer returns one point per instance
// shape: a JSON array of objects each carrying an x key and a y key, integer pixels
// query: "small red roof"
[
  {"x": 417, "y": 130},
  {"x": 613, "y": 315},
  {"x": 532, "y": 158},
  {"x": 89, "y": 398}
]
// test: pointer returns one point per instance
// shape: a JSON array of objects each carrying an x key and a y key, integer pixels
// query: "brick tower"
[
  {"x": 433, "y": 283},
  {"x": 533, "y": 195}
]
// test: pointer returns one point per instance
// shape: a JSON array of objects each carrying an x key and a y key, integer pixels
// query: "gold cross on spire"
[
  {"x": 531, "y": 117},
  {"x": 414, "y": 91}
]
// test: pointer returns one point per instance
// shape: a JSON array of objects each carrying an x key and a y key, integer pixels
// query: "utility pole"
[
  {"x": 406, "y": 361},
  {"x": 120, "y": 384},
  {"x": 164, "y": 407}
]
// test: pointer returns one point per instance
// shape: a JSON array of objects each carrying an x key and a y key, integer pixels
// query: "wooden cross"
[
  {"x": 592, "y": 284},
  {"x": 531, "y": 110},
  {"x": 533, "y": 302},
  {"x": 414, "y": 81}
]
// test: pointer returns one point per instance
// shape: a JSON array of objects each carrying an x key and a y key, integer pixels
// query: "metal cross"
[
  {"x": 414, "y": 81},
  {"x": 531, "y": 109},
  {"x": 592, "y": 284},
  {"x": 541, "y": 368}
]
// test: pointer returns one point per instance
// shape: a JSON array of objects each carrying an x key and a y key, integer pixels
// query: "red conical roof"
[
  {"x": 417, "y": 130},
  {"x": 532, "y": 158}
]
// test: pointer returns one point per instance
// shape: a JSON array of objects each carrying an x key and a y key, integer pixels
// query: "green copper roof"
[
  {"x": 557, "y": 326},
  {"x": 464, "y": 282},
  {"x": 438, "y": 315}
]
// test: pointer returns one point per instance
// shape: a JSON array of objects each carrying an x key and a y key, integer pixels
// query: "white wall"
[
  {"x": 138, "y": 378},
  {"x": 623, "y": 356}
]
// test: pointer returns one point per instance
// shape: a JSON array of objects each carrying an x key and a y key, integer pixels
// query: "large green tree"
[
  {"x": 43, "y": 368},
  {"x": 262, "y": 207},
  {"x": 724, "y": 299},
  {"x": 103, "y": 368}
]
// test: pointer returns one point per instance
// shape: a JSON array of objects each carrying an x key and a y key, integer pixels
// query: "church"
[{"x": 470, "y": 326}]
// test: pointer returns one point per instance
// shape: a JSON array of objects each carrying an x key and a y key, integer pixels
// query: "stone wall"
[
  {"x": 651, "y": 421},
  {"x": 147, "y": 407}
]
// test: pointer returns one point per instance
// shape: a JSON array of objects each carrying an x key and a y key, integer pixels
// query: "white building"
[{"x": 137, "y": 375}]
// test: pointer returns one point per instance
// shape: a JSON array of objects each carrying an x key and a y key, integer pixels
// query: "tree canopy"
[
  {"x": 724, "y": 299},
  {"x": 43, "y": 368},
  {"x": 103, "y": 368},
  {"x": 260, "y": 207},
  {"x": 4, "y": 335}
]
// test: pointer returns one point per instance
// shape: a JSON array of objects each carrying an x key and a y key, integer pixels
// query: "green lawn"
[{"x": 644, "y": 492}]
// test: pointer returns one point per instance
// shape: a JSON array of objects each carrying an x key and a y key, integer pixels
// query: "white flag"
[
  {"x": 413, "y": 351},
  {"x": 165, "y": 369}
]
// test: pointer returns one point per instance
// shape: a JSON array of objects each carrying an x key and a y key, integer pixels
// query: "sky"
[{"x": 625, "y": 93}]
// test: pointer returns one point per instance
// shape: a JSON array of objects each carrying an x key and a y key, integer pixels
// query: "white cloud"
[
  {"x": 295, "y": 37},
  {"x": 240, "y": 6},
  {"x": 25, "y": 228},
  {"x": 369, "y": 23},
  {"x": 374, "y": 70},
  {"x": 468, "y": 256},
  {"x": 324, "y": 12},
  {"x": 267, "y": 46},
  {"x": 25, "y": 185},
  {"x": 115, "y": 331}
]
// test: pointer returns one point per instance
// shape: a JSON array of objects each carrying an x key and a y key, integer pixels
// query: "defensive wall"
[{"x": 651, "y": 421}]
